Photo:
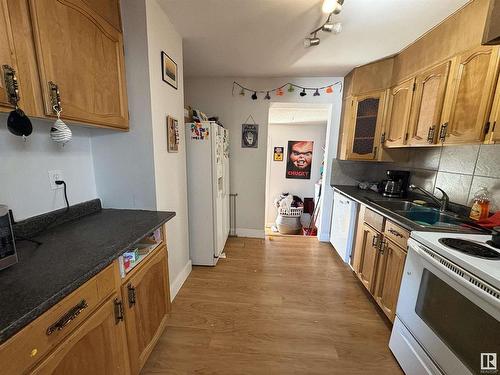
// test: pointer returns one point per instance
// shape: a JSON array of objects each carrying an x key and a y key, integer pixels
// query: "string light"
[{"x": 280, "y": 92}]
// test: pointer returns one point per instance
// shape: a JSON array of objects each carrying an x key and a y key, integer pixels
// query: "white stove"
[
  {"x": 486, "y": 269},
  {"x": 448, "y": 312}
]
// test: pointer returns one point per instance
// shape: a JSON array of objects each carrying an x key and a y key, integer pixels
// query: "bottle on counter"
[{"x": 481, "y": 205}]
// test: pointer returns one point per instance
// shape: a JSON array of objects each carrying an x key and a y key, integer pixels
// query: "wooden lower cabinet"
[
  {"x": 98, "y": 346},
  {"x": 378, "y": 260},
  {"x": 369, "y": 253},
  {"x": 146, "y": 299},
  {"x": 389, "y": 273}
]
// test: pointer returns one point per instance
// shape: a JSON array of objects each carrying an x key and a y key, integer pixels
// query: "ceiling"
[
  {"x": 289, "y": 113},
  {"x": 264, "y": 38}
]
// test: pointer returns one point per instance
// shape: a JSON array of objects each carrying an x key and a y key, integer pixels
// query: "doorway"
[{"x": 297, "y": 134}]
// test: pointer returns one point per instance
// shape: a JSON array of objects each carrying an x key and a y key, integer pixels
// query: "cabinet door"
[
  {"x": 475, "y": 74},
  {"x": 82, "y": 53},
  {"x": 398, "y": 114},
  {"x": 147, "y": 303},
  {"x": 7, "y": 53},
  {"x": 389, "y": 273},
  {"x": 369, "y": 257},
  {"x": 428, "y": 100},
  {"x": 494, "y": 132},
  {"x": 365, "y": 126},
  {"x": 98, "y": 346}
]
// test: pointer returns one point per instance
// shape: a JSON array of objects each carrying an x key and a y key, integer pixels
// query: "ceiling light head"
[
  {"x": 310, "y": 42},
  {"x": 331, "y": 6},
  {"x": 336, "y": 27}
]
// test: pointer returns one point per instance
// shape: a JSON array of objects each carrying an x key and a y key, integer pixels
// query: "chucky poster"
[{"x": 299, "y": 159}]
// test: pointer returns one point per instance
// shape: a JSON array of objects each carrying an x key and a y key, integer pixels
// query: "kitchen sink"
[
  {"x": 425, "y": 216},
  {"x": 399, "y": 205}
]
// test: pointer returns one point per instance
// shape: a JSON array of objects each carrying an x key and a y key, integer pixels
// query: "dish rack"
[{"x": 291, "y": 212}]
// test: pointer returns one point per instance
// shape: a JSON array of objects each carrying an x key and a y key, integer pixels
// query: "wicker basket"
[{"x": 292, "y": 212}]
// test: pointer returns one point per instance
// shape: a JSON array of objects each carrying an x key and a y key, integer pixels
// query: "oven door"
[{"x": 454, "y": 316}]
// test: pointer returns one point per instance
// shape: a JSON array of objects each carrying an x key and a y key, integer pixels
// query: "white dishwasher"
[{"x": 342, "y": 230}]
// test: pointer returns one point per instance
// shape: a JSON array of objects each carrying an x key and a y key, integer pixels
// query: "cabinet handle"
[
  {"x": 382, "y": 138},
  {"x": 131, "y": 294},
  {"x": 11, "y": 84},
  {"x": 118, "y": 310},
  {"x": 443, "y": 131},
  {"x": 55, "y": 97},
  {"x": 67, "y": 318},
  {"x": 382, "y": 247},
  {"x": 430, "y": 135},
  {"x": 395, "y": 232},
  {"x": 375, "y": 241}
]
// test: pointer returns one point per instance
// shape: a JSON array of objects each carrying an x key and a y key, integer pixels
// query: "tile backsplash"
[{"x": 459, "y": 170}]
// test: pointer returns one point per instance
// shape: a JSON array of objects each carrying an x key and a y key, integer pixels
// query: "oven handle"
[{"x": 460, "y": 280}]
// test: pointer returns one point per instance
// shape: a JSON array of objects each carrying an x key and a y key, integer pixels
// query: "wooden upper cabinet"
[
  {"x": 427, "y": 107},
  {"x": 389, "y": 273},
  {"x": 82, "y": 53},
  {"x": 474, "y": 78},
  {"x": 493, "y": 135},
  {"x": 7, "y": 53},
  {"x": 147, "y": 303},
  {"x": 398, "y": 114},
  {"x": 98, "y": 346},
  {"x": 367, "y": 114}
]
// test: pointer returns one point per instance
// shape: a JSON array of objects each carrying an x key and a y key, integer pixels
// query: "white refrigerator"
[{"x": 207, "y": 149}]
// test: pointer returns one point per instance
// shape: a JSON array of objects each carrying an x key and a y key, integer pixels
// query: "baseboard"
[
  {"x": 252, "y": 233},
  {"x": 324, "y": 237},
  {"x": 180, "y": 279}
]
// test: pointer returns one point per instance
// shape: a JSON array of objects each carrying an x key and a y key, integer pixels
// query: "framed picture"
[
  {"x": 299, "y": 161},
  {"x": 278, "y": 153},
  {"x": 249, "y": 135},
  {"x": 172, "y": 134},
  {"x": 168, "y": 70}
]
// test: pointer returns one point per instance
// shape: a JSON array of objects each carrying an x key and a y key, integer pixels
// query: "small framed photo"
[
  {"x": 278, "y": 153},
  {"x": 168, "y": 70},
  {"x": 172, "y": 134}
]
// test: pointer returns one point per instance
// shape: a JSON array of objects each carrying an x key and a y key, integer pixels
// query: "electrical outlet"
[{"x": 53, "y": 177}]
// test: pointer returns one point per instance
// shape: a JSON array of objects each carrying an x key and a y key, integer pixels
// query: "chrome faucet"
[{"x": 442, "y": 203}]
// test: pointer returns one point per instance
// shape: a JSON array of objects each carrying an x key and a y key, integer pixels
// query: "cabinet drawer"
[
  {"x": 34, "y": 341},
  {"x": 397, "y": 234},
  {"x": 375, "y": 220}
]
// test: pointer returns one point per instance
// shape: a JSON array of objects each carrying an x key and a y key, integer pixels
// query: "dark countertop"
[
  {"x": 70, "y": 254},
  {"x": 366, "y": 196}
]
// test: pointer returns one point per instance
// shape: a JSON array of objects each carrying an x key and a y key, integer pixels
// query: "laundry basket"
[{"x": 288, "y": 220}]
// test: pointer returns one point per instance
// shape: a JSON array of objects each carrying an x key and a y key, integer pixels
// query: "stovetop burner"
[{"x": 471, "y": 248}]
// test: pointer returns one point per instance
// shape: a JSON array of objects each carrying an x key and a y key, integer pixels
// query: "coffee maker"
[
  {"x": 8, "y": 255},
  {"x": 397, "y": 184}
]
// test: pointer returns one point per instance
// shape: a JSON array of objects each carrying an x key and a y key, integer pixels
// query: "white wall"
[
  {"x": 24, "y": 182},
  {"x": 134, "y": 169},
  {"x": 248, "y": 166},
  {"x": 124, "y": 167},
  {"x": 279, "y": 135},
  {"x": 170, "y": 168}
]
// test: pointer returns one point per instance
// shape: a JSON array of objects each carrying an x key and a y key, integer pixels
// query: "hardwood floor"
[{"x": 283, "y": 305}]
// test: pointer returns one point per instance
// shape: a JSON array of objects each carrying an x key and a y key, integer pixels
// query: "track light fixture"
[
  {"x": 309, "y": 42},
  {"x": 331, "y": 7}
]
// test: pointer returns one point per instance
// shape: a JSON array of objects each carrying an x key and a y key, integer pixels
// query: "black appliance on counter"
[
  {"x": 396, "y": 184},
  {"x": 8, "y": 254}
]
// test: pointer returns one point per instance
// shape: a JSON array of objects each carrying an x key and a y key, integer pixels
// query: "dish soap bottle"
[{"x": 481, "y": 206}]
